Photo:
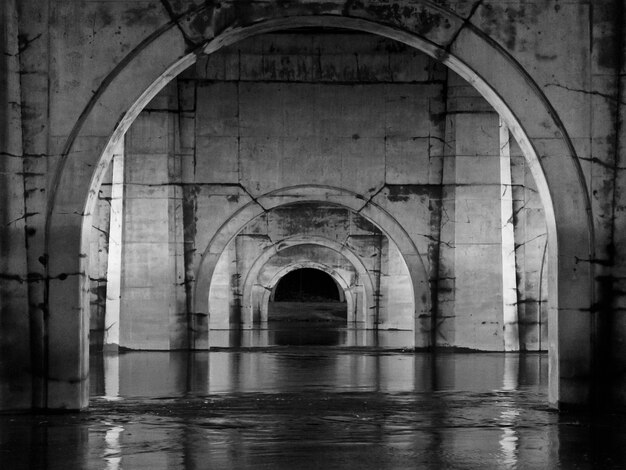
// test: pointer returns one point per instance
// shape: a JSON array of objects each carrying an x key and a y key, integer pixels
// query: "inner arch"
[{"x": 306, "y": 285}]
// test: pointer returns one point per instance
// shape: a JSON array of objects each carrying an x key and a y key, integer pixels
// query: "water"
[{"x": 314, "y": 407}]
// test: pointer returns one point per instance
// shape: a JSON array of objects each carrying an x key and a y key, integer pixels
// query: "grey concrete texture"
[{"x": 76, "y": 75}]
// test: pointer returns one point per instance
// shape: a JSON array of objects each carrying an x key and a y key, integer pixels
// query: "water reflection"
[
  {"x": 314, "y": 407},
  {"x": 137, "y": 374},
  {"x": 509, "y": 414},
  {"x": 307, "y": 334},
  {"x": 112, "y": 454}
]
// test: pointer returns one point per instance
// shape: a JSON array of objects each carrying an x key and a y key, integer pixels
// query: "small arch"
[
  {"x": 304, "y": 285},
  {"x": 312, "y": 287},
  {"x": 357, "y": 311},
  {"x": 368, "y": 209},
  {"x": 311, "y": 265}
]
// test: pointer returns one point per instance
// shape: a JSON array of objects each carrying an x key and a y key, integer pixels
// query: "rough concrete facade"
[{"x": 77, "y": 75}]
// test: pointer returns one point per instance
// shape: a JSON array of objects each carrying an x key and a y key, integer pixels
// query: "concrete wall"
[{"x": 557, "y": 69}]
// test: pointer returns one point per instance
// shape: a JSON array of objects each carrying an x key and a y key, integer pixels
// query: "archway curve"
[
  {"x": 304, "y": 265},
  {"x": 471, "y": 53},
  {"x": 261, "y": 261},
  {"x": 324, "y": 194},
  {"x": 319, "y": 285}
]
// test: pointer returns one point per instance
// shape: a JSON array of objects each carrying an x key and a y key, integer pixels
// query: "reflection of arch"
[
  {"x": 326, "y": 194},
  {"x": 343, "y": 250},
  {"x": 431, "y": 28},
  {"x": 345, "y": 287}
]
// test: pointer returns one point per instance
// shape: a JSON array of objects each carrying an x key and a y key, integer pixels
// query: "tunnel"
[
  {"x": 305, "y": 308},
  {"x": 306, "y": 285}
]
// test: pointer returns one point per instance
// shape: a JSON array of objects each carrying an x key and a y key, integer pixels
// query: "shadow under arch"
[{"x": 466, "y": 50}]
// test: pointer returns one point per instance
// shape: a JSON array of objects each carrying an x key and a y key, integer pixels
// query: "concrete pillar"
[
  {"x": 507, "y": 237},
  {"x": 148, "y": 269},
  {"x": 477, "y": 232},
  {"x": 38, "y": 160},
  {"x": 114, "y": 265},
  {"x": 178, "y": 316},
  {"x": 158, "y": 160},
  {"x": 530, "y": 255},
  {"x": 15, "y": 367},
  {"x": 97, "y": 250}
]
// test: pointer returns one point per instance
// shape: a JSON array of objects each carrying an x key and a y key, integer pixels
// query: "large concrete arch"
[{"x": 422, "y": 24}]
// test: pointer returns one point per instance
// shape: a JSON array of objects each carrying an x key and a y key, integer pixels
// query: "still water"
[{"x": 314, "y": 407}]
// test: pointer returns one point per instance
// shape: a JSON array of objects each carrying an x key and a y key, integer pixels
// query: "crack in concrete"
[
  {"x": 8, "y": 154},
  {"x": 255, "y": 200},
  {"x": 466, "y": 21},
  {"x": 436, "y": 240},
  {"x": 25, "y": 43},
  {"x": 598, "y": 261},
  {"x": 597, "y": 161},
  {"x": 616, "y": 98},
  {"x": 370, "y": 199},
  {"x": 519, "y": 245},
  {"x": 176, "y": 21},
  {"x": 23, "y": 217},
  {"x": 104, "y": 232}
]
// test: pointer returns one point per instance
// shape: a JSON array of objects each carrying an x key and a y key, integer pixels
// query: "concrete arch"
[
  {"x": 302, "y": 265},
  {"x": 326, "y": 194},
  {"x": 339, "y": 280},
  {"x": 424, "y": 25},
  {"x": 353, "y": 259},
  {"x": 340, "y": 293}
]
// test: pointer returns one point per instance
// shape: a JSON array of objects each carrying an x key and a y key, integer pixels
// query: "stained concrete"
[{"x": 80, "y": 74}]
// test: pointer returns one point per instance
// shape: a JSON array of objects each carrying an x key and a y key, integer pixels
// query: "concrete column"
[
  {"x": 15, "y": 367},
  {"x": 97, "y": 250},
  {"x": 178, "y": 318},
  {"x": 478, "y": 234},
  {"x": 38, "y": 160},
  {"x": 507, "y": 236},
  {"x": 147, "y": 289},
  {"x": 530, "y": 255},
  {"x": 114, "y": 265}
]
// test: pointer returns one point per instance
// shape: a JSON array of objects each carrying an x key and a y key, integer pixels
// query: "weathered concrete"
[
  {"x": 111, "y": 337},
  {"x": 15, "y": 366},
  {"x": 554, "y": 72},
  {"x": 99, "y": 251}
]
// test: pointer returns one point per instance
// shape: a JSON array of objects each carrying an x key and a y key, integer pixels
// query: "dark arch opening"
[
  {"x": 307, "y": 308},
  {"x": 307, "y": 285}
]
